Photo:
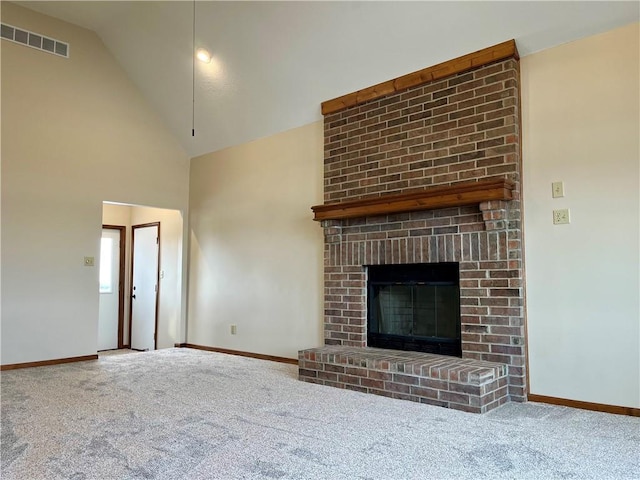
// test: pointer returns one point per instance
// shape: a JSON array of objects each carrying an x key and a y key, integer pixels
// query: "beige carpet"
[{"x": 182, "y": 413}]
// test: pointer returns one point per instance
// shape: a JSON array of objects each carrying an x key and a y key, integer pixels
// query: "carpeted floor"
[{"x": 183, "y": 413}]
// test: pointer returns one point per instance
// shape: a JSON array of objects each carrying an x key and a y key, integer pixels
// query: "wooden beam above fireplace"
[
  {"x": 457, "y": 65},
  {"x": 456, "y": 195}
]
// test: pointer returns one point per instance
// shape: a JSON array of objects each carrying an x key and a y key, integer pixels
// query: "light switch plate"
[
  {"x": 557, "y": 189},
  {"x": 89, "y": 261}
]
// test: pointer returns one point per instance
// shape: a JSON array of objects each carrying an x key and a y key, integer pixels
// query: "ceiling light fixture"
[{"x": 203, "y": 55}]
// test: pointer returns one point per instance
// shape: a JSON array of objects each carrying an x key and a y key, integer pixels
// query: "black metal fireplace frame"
[{"x": 445, "y": 273}]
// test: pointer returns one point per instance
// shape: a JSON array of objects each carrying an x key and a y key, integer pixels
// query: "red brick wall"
[{"x": 463, "y": 128}]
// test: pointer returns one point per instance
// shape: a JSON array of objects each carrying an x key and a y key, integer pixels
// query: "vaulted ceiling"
[{"x": 275, "y": 62}]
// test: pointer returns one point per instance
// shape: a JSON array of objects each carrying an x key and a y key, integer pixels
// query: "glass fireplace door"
[{"x": 409, "y": 314}]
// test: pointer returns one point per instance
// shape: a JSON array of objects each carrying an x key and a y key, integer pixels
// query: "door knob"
[{"x": 133, "y": 296}]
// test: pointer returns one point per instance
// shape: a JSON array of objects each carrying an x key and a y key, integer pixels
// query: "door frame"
[
  {"x": 133, "y": 237},
  {"x": 121, "y": 279}
]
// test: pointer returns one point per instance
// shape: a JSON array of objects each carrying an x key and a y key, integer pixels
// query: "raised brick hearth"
[
  {"x": 442, "y": 133},
  {"x": 463, "y": 384}
]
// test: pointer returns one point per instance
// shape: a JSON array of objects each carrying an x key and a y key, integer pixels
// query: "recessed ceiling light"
[{"x": 203, "y": 55}]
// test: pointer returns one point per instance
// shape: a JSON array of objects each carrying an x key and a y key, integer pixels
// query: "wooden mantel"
[
  {"x": 459, "y": 194},
  {"x": 442, "y": 70}
]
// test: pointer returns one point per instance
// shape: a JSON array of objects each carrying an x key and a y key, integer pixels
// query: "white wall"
[
  {"x": 580, "y": 125},
  {"x": 256, "y": 253},
  {"x": 113, "y": 214},
  {"x": 75, "y": 132}
]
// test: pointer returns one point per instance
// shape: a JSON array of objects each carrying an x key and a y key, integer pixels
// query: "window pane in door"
[{"x": 106, "y": 273}]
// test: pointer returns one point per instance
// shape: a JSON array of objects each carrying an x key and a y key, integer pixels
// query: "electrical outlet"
[
  {"x": 234, "y": 329},
  {"x": 557, "y": 189},
  {"x": 561, "y": 216},
  {"x": 89, "y": 261}
]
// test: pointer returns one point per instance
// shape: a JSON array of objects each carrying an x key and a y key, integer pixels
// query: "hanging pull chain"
[{"x": 193, "y": 73}]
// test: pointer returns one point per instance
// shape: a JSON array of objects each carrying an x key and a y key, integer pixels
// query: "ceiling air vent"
[{"x": 34, "y": 40}]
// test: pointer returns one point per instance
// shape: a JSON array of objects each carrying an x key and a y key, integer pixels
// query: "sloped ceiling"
[{"x": 275, "y": 62}]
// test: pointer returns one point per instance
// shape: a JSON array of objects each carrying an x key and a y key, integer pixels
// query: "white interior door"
[
  {"x": 146, "y": 245},
  {"x": 109, "y": 289}
]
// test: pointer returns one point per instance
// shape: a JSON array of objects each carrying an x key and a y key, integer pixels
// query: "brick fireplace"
[{"x": 420, "y": 175}]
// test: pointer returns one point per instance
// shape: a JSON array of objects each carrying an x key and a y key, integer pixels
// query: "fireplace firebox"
[{"x": 414, "y": 307}]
